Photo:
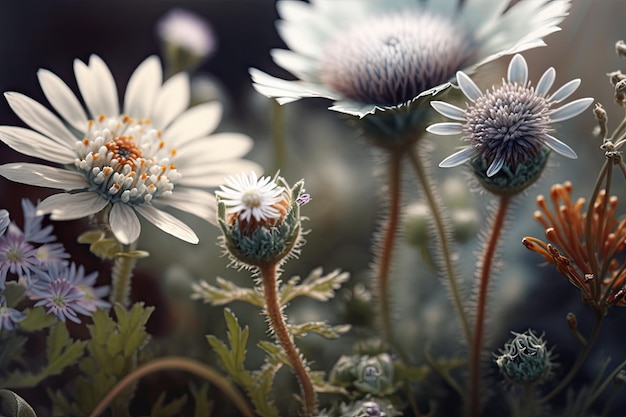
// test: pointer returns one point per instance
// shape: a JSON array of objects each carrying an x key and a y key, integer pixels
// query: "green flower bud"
[{"x": 525, "y": 359}]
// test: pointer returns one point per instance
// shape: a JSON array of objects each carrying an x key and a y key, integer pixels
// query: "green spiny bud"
[{"x": 525, "y": 359}]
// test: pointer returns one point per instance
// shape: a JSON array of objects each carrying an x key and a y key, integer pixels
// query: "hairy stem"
[
  {"x": 121, "y": 276},
  {"x": 177, "y": 363},
  {"x": 387, "y": 246},
  {"x": 269, "y": 277},
  {"x": 484, "y": 274},
  {"x": 442, "y": 239}
]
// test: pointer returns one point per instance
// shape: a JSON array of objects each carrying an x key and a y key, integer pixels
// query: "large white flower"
[
  {"x": 370, "y": 55},
  {"x": 152, "y": 154}
]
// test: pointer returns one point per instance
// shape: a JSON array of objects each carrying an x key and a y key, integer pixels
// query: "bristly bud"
[
  {"x": 368, "y": 374},
  {"x": 368, "y": 407},
  {"x": 602, "y": 118},
  {"x": 620, "y": 92},
  {"x": 260, "y": 219},
  {"x": 620, "y": 49},
  {"x": 525, "y": 359},
  {"x": 615, "y": 77}
]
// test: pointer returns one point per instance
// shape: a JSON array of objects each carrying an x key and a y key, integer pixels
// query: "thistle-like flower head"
[
  {"x": 525, "y": 359},
  {"x": 508, "y": 127}
]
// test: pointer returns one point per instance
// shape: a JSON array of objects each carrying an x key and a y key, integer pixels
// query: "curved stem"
[
  {"x": 388, "y": 243},
  {"x": 593, "y": 263},
  {"x": 121, "y": 276},
  {"x": 484, "y": 275},
  {"x": 279, "y": 327},
  {"x": 443, "y": 241},
  {"x": 579, "y": 361},
  {"x": 178, "y": 364}
]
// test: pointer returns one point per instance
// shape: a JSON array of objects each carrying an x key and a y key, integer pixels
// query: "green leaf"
[
  {"x": 11, "y": 351},
  {"x": 317, "y": 286},
  {"x": 132, "y": 326},
  {"x": 12, "y": 405},
  {"x": 318, "y": 327},
  {"x": 37, "y": 319},
  {"x": 203, "y": 406},
  {"x": 171, "y": 409},
  {"x": 321, "y": 385},
  {"x": 227, "y": 292}
]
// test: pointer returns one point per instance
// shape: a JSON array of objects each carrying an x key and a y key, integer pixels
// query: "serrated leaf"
[
  {"x": 321, "y": 385},
  {"x": 14, "y": 293},
  {"x": 316, "y": 286},
  {"x": 132, "y": 326},
  {"x": 318, "y": 327},
  {"x": 203, "y": 406},
  {"x": 11, "y": 350},
  {"x": 226, "y": 292},
  {"x": 37, "y": 319},
  {"x": 275, "y": 353},
  {"x": 172, "y": 408},
  {"x": 261, "y": 393},
  {"x": 233, "y": 358}
]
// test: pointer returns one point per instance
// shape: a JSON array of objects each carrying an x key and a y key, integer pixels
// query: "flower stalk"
[{"x": 269, "y": 278}]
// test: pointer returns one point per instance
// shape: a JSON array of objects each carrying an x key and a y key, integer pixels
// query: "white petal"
[
  {"x": 109, "y": 102},
  {"x": 171, "y": 100},
  {"x": 448, "y": 110},
  {"x": 31, "y": 143},
  {"x": 446, "y": 8},
  {"x": 167, "y": 223},
  {"x": 479, "y": 13},
  {"x": 93, "y": 90},
  {"x": 559, "y": 147},
  {"x": 303, "y": 39},
  {"x": 124, "y": 223},
  {"x": 354, "y": 108},
  {"x": 213, "y": 175},
  {"x": 446, "y": 128},
  {"x": 142, "y": 88},
  {"x": 458, "y": 158},
  {"x": 518, "y": 70},
  {"x": 571, "y": 109},
  {"x": 468, "y": 87},
  {"x": 218, "y": 147},
  {"x": 565, "y": 91},
  {"x": 43, "y": 176},
  {"x": 197, "y": 202},
  {"x": 193, "y": 123},
  {"x": 40, "y": 118},
  {"x": 63, "y": 99},
  {"x": 71, "y": 206},
  {"x": 545, "y": 82},
  {"x": 495, "y": 166},
  {"x": 303, "y": 67},
  {"x": 287, "y": 91}
]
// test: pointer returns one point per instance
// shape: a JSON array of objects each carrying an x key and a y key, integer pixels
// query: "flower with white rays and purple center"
[
  {"x": 65, "y": 291},
  {"x": 509, "y": 127},
  {"x": 154, "y": 154},
  {"x": 376, "y": 55}
]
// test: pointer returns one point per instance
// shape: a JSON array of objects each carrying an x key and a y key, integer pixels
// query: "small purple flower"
[
  {"x": 9, "y": 317},
  {"x": 57, "y": 291},
  {"x": 17, "y": 255},
  {"x": 33, "y": 232},
  {"x": 93, "y": 295}
]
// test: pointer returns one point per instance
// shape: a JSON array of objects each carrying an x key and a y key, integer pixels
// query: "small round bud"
[
  {"x": 572, "y": 322},
  {"x": 368, "y": 374},
  {"x": 369, "y": 407},
  {"x": 525, "y": 359},
  {"x": 615, "y": 77},
  {"x": 416, "y": 218},
  {"x": 466, "y": 224},
  {"x": 620, "y": 92}
]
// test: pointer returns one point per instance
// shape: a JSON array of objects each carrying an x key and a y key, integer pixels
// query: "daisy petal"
[
  {"x": 446, "y": 128},
  {"x": 193, "y": 123},
  {"x": 565, "y": 91},
  {"x": 197, "y": 202},
  {"x": 31, "y": 143},
  {"x": 213, "y": 175},
  {"x": 124, "y": 223},
  {"x": 109, "y": 102},
  {"x": 218, "y": 147},
  {"x": 171, "y": 100},
  {"x": 167, "y": 223},
  {"x": 65, "y": 206},
  {"x": 495, "y": 166},
  {"x": 458, "y": 158},
  {"x": 570, "y": 109},
  {"x": 62, "y": 99},
  {"x": 518, "y": 70},
  {"x": 559, "y": 147},
  {"x": 143, "y": 86},
  {"x": 40, "y": 118},
  {"x": 43, "y": 176},
  {"x": 448, "y": 110},
  {"x": 468, "y": 87},
  {"x": 545, "y": 82}
]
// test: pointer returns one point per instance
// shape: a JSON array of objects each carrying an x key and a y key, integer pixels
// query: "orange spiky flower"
[{"x": 588, "y": 251}]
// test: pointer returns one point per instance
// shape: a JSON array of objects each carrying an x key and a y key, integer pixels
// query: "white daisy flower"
[
  {"x": 370, "y": 55},
  {"x": 151, "y": 154},
  {"x": 251, "y": 199},
  {"x": 509, "y": 126}
]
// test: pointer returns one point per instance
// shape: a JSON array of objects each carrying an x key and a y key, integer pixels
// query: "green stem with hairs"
[
  {"x": 442, "y": 239},
  {"x": 121, "y": 276},
  {"x": 484, "y": 275},
  {"x": 177, "y": 363},
  {"x": 273, "y": 308}
]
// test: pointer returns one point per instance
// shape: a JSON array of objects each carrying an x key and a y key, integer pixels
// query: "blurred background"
[{"x": 340, "y": 173}]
